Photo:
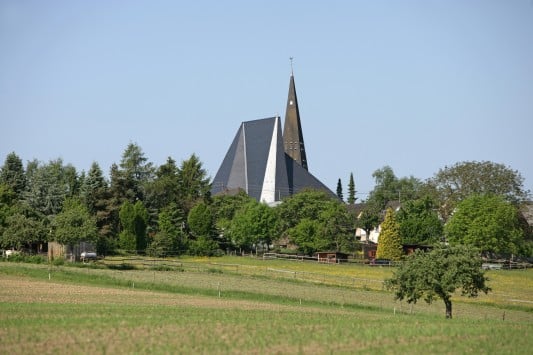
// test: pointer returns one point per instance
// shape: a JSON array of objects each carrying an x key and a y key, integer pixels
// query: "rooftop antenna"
[{"x": 291, "y": 58}]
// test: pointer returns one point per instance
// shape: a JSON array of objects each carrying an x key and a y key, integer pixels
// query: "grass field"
[{"x": 246, "y": 305}]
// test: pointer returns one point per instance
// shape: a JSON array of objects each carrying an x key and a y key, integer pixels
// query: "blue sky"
[{"x": 416, "y": 85}]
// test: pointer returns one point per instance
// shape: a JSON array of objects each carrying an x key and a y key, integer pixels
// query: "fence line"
[{"x": 328, "y": 279}]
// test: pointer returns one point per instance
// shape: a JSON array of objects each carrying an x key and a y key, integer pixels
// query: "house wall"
[{"x": 373, "y": 237}]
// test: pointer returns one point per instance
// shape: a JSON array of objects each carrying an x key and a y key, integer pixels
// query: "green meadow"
[{"x": 243, "y": 305}]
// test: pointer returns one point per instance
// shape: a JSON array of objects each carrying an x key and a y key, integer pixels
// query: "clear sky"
[{"x": 416, "y": 85}]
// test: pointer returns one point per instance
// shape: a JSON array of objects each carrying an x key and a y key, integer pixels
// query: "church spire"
[{"x": 293, "y": 138}]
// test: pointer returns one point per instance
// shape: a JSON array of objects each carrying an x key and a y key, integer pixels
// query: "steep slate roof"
[
  {"x": 265, "y": 164},
  {"x": 293, "y": 137},
  {"x": 257, "y": 163}
]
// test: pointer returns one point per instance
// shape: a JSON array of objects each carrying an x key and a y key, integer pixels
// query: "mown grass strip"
[{"x": 76, "y": 277}]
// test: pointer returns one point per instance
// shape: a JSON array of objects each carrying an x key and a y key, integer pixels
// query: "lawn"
[{"x": 215, "y": 308}]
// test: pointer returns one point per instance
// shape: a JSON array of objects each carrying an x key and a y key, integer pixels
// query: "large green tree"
[
  {"x": 200, "y": 220},
  {"x": 170, "y": 237},
  {"x": 455, "y": 183},
  {"x": 135, "y": 172},
  {"x": 326, "y": 218},
  {"x": 305, "y": 204},
  {"x": 308, "y": 236},
  {"x": 135, "y": 163},
  {"x": 390, "y": 188},
  {"x": 193, "y": 182},
  {"x": 49, "y": 185},
  {"x": 389, "y": 243},
  {"x": 200, "y": 223},
  {"x": 74, "y": 224},
  {"x": 96, "y": 196},
  {"x": 224, "y": 208},
  {"x": 337, "y": 225},
  {"x": 255, "y": 223},
  {"x": 487, "y": 222},
  {"x": 134, "y": 219},
  {"x": 419, "y": 222},
  {"x": 164, "y": 189},
  {"x": 438, "y": 274},
  {"x": 93, "y": 187},
  {"x": 21, "y": 230}
]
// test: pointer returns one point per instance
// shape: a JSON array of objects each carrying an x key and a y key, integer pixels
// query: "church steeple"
[{"x": 293, "y": 138}]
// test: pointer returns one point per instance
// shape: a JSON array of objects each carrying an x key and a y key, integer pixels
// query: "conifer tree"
[
  {"x": 351, "y": 190},
  {"x": 339, "y": 190},
  {"x": 12, "y": 174},
  {"x": 389, "y": 243}
]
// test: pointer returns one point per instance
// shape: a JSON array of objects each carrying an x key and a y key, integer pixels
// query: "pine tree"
[
  {"x": 339, "y": 190},
  {"x": 351, "y": 190},
  {"x": 389, "y": 243},
  {"x": 12, "y": 174}
]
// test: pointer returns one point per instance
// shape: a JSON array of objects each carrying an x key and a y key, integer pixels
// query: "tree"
[
  {"x": 12, "y": 174},
  {"x": 439, "y": 273},
  {"x": 193, "y": 182},
  {"x": 49, "y": 185},
  {"x": 93, "y": 188},
  {"x": 487, "y": 222},
  {"x": 389, "y": 243},
  {"x": 351, "y": 191},
  {"x": 390, "y": 188},
  {"x": 318, "y": 212},
  {"x": 255, "y": 223},
  {"x": 339, "y": 190},
  {"x": 164, "y": 189},
  {"x": 135, "y": 164},
  {"x": 22, "y": 231},
  {"x": 307, "y": 235},
  {"x": 368, "y": 218},
  {"x": 136, "y": 170},
  {"x": 336, "y": 225},
  {"x": 419, "y": 222},
  {"x": 96, "y": 196},
  {"x": 200, "y": 221},
  {"x": 170, "y": 238},
  {"x": 133, "y": 218},
  {"x": 305, "y": 204},
  {"x": 74, "y": 224},
  {"x": 455, "y": 183}
]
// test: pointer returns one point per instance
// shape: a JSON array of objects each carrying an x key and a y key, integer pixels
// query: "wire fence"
[{"x": 159, "y": 264}]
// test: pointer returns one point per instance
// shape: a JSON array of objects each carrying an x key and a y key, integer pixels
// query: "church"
[{"x": 265, "y": 162}]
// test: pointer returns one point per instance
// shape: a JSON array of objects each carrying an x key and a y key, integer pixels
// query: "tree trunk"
[{"x": 448, "y": 304}]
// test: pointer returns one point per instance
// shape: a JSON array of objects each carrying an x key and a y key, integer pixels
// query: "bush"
[
  {"x": 58, "y": 261},
  {"x": 23, "y": 258},
  {"x": 203, "y": 246}
]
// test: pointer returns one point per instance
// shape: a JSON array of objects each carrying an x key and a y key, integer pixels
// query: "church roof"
[
  {"x": 266, "y": 164},
  {"x": 257, "y": 163},
  {"x": 292, "y": 131}
]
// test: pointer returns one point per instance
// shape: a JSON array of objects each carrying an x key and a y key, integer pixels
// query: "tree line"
[{"x": 168, "y": 210}]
